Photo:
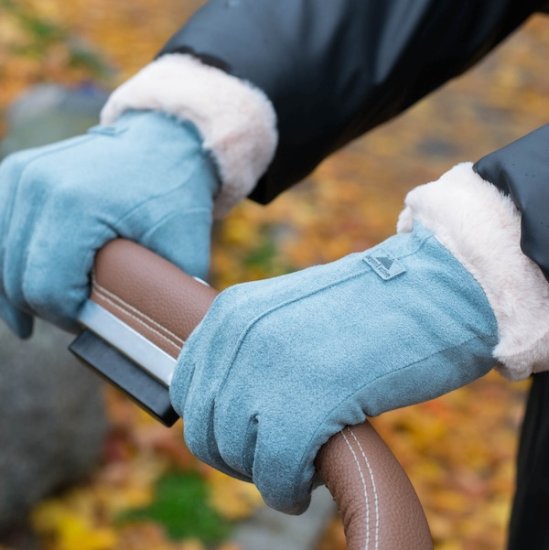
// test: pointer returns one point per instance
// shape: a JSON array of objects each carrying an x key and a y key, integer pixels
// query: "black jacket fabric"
[
  {"x": 521, "y": 170},
  {"x": 334, "y": 69}
]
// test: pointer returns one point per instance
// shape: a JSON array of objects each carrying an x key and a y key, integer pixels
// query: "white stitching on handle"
[
  {"x": 376, "y": 499},
  {"x": 364, "y": 490},
  {"x": 122, "y": 303},
  {"x": 103, "y": 290},
  {"x": 136, "y": 319}
]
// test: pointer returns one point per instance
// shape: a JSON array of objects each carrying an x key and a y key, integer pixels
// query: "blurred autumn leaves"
[
  {"x": 459, "y": 450},
  {"x": 149, "y": 493}
]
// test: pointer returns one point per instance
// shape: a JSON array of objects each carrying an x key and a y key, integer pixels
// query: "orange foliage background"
[{"x": 458, "y": 450}]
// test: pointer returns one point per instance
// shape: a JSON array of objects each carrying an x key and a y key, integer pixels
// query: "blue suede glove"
[
  {"x": 279, "y": 366},
  {"x": 145, "y": 178}
]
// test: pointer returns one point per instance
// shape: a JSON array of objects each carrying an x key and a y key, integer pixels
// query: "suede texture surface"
[
  {"x": 145, "y": 178},
  {"x": 279, "y": 366}
]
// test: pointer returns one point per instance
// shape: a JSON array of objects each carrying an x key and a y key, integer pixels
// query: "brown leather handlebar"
[{"x": 379, "y": 507}]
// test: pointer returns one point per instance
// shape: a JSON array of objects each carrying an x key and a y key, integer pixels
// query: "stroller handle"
[{"x": 143, "y": 308}]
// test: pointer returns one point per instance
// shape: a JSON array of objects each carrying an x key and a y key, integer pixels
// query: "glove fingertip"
[{"x": 20, "y": 323}]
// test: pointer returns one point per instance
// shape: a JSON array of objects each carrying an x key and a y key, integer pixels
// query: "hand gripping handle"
[{"x": 142, "y": 298}]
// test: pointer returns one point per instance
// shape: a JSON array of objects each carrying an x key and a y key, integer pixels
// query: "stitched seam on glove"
[
  {"x": 364, "y": 269},
  {"x": 182, "y": 213},
  {"x": 152, "y": 198}
]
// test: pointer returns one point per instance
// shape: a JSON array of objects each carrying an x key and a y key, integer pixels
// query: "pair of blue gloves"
[{"x": 277, "y": 366}]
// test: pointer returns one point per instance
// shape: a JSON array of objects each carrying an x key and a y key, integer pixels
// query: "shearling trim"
[
  {"x": 481, "y": 227},
  {"x": 236, "y": 120}
]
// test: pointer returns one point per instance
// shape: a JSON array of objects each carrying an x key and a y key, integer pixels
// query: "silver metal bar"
[{"x": 125, "y": 339}]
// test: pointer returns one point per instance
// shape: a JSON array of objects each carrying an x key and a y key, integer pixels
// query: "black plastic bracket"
[{"x": 123, "y": 373}]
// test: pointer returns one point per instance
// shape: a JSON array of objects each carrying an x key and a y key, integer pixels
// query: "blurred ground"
[{"x": 458, "y": 450}]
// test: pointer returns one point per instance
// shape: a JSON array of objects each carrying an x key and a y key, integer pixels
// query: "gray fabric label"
[{"x": 384, "y": 264}]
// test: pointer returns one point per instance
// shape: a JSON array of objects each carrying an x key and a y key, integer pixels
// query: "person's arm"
[
  {"x": 304, "y": 77},
  {"x": 278, "y": 366},
  {"x": 334, "y": 70}
]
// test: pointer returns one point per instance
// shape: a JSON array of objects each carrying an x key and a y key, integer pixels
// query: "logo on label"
[{"x": 384, "y": 265}]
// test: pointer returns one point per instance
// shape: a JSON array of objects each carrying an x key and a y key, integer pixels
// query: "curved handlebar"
[{"x": 142, "y": 299}]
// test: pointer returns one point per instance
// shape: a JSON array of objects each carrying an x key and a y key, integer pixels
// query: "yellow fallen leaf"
[
  {"x": 233, "y": 499},
  {"x": 70, "y": 530}
]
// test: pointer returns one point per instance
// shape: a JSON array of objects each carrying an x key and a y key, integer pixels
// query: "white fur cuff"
[
  {"x": 481, "y": 227},
  {"x": 236, "y": 120}
]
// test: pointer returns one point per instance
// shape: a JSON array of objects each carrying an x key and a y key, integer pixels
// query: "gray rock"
[
  {"x": 271, "y": 530},
  {"x": 52, "y": 419},
  {"x": 48, "y": 113}
]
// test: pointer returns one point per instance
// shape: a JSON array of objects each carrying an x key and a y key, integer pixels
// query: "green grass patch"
[
  {"x": 181, "y": 506},
  {"x": 265, "y": 256}
]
